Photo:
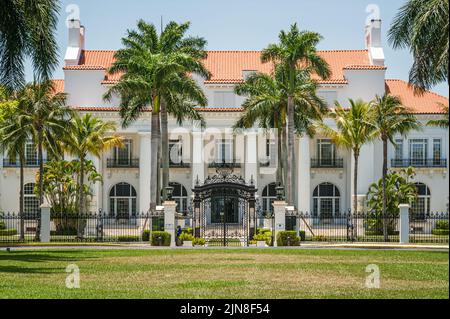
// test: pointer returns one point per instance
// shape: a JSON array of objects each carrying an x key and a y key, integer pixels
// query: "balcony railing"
[
  {"x": 327, "y": 163},
  {"x": 28, "y": 163},
  {"x": 407, "y": 162},
  {"x": 226, "y": 163},
  {"x": 122, "y": 163},
  {"x": 181, "y": 164}
]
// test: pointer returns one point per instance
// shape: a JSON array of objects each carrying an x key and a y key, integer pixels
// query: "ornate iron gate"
[{"x": 224, "y": 209}]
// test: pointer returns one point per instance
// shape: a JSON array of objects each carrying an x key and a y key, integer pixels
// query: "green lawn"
[{"x": 231, "y": 273}]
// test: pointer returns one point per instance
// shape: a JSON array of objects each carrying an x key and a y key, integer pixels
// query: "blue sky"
[{"x": 239, "y": 24}]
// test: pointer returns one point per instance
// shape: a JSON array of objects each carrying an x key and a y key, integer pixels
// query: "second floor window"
[
  {"x": 122, "y": 155},
  {"x": 437, "y": 149},
  {"x": 224, "y": 99},
  {"x": 418, "y": 151},
  {"x": 175, "y": 151},
  {"x": 224, "y": 151},
  {"x": 31, "y": 155},
  {"x": 398, "y": 149},
  {"x": 325, "y": 151}
]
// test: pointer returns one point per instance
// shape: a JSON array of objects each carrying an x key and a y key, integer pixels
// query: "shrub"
[
  {"x": 8, "y": 232},
  {"x": 185, "y": 237},
  {"x": 441, "y": 224},
  {"x": 2, "y": 225},
  {"x": 160, "y": 238},
  {"x": 263, "y": 234},
  {"x": 146, "y": 235},
  {"x": 64, "y": 232},
  {"x": 199, "y": 242},
  {"x": 440, "y": 232},
  {"x": 128, "y": 238},
  {"x": 288, "y": 238},
  {"x": 189, "y": 231},
  {"x": 320, "y": 238},
  {"x": 302, "y": 235}
]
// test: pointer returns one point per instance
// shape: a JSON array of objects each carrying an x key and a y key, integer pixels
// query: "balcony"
[
  {"x": 400, "y": 163},
  {"x": 122, "y": 163},
  {"x": 327, "y": 163},
  {"x": 225, "y": 163},
  {"x": 28, "y": 163},
  {"x": 180, "y": 164}
]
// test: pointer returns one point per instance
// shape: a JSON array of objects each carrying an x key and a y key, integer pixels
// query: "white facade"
[{"x": 318, "y": 161}]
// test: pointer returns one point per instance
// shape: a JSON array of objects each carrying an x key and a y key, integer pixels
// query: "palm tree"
[
  {"x": 354, "y": 129},
  {"x": 89, "y": 135},
  {"x": 154, "y": 67},
  {"x": 390, "y": 117},
  {"x": 266, "y": 105},
  {"x": 422, "y": 26},
  {"x": 443, "y": 121},
  {"x": 27, "y": 30},
  {"x": 12, "y": 142},
  {"x": 295, "y": 49}
]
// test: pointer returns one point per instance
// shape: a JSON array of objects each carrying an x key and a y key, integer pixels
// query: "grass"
[{"x": 223, "y": 273}]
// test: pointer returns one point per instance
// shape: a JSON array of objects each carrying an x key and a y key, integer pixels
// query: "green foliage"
[
  {"x": 2, "y": 225},
  {"x": 146, "y": 235},
  {"x": 186, "y": 237},
  {"x": 302, "y": 234},
  {"x": 128, "y": 238},
  {"x": 442, "y": 224},
  {"x": 8, "y": 232},
  {"x": 160, "y": 238},
  {"x": 263, "y": 234},
  {"x": 288, "y": 238},
  {"x": 199, "y": 242},
  {"x": 440, "y": 232},
  {"x": 189, "y": 231}
]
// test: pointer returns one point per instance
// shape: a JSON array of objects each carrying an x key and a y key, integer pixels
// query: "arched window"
[
  {"x": 269, "y": 195},
  {"x": 30, "y": 200},
  {"x": 180, "y": 195},
  {"x": 122, "y": 201},
  {"x": 326, "y": 201},
  {"x": 421, "y": 206}
]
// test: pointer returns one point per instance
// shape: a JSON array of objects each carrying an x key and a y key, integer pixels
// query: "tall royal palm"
[
  {"x": 422, "y": 27},
  {"x": 27, "y": 30},
  {"x": 354, "y": 128},
  {"x": 89, "y": 135},
  {"x": 295, "y": 49},
  {"x": 390, "y": 117},
  {"x": 154, "y": 69}
]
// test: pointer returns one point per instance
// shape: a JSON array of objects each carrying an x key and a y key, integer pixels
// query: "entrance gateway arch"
[{"x": 224, "y": 209}]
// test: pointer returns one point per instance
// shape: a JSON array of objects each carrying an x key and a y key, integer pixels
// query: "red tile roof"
[
  {"x": 58, "y": 86},
  {"x": 427, "y": 103},
  {"x": 227, "y": 66},
  {"x": 117, "y": 109}
]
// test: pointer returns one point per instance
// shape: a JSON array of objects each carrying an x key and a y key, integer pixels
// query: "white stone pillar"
[
  {"x": 279, "y": 210},
  {"x": 304, "y": 176},
  {"x": 45, "y": 223},
  {"x": 404, "y": 223},
  {"x": 169, "y": 220},
  {"x": 251, "y": 157},
  {"x": 145, "y": 152},
  {"x": 198, "y": 163}
]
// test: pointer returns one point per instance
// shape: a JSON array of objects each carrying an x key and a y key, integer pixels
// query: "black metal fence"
[{"x": 19, "y": 228}]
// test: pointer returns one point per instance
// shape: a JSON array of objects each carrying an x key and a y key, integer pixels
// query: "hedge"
[
  {"x": 442, "y": 224},
  {"x": 64, "y": 232},
  {"x": 282, "y": 238},
  {"x": 440, "y": 232},
  {"x": 2, "y": 225},
  {"x": 8, "y": 232},
  {"x": 146, "y": 235},
  {"x": 165, "y": 238},
  {"x": 128, "y": 238}
]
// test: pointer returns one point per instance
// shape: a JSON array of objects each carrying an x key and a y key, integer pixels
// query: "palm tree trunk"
[
  {"x": 284, "y": 152},
  {"x": 41, "y": 182},
  {"x": 22, "y": 223},
  {"x": 385, "y": 224},
  {"x": 156, "y": 136},
  {"x": 164, "y": 149},
  {"x": 80, "y": 187},
  {"x": 291, "y": 150},
  {"x": 280, "y": 158},
  {"x": 355, "y": 193}
]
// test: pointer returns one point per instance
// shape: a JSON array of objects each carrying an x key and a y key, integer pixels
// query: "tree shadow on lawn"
[
  {"x": 25, "y": 270},
  {"x": 47, "y": 256}
]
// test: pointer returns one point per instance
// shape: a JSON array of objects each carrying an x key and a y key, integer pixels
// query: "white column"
[
  {"x": 169, "y": 220},
  {"x": 251, "y": 157},
  {"x": 45, "y": 223},
  {"x": 198, "y": 164},
  {"x": 304, "y": 176},
  {"x": 404, "y": 223},
  {"x": 145, "y": 152},
  {"x": 279, "y": 210}
]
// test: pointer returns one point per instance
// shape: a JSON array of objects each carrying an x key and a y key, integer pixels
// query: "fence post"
[
  {"x": 45, "y": 223},
  {"x": 279, "y": 210},
  {"x": 169, "y": 220},
  {"x": 404, "y": 223}
]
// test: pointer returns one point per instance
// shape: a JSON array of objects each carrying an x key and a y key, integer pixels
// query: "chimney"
[
  {"x": 373, "y": 42},
  {"x": 76, "y": 42}
]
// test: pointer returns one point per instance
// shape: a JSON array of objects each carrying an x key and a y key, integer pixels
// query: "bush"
[
  {"x": 199, "y": 242},
  {"x": 288, "y": 238},
  {"x": 319, "y": 238},
  {"x": 189, "y": 231},
  {"x": 146, "y": 235},
  {"x": 128, "y": 238},
  {"x": 160, "y": 238},
  {"x": 8, "y": 232},
  {"x": 263, "y": 234},
  {"x": 440, "y": 232},
  {"x": 185, "y": 237},
  {"x": 2, "y": 225},
  {"x": 380, "y": 232},
  {"x": 64, "y": 232},
  {"x": 441, "y": 224},
  {"x": 302, "y": 235}
]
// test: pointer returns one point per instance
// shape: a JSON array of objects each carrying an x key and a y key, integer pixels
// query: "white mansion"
[{"x": 323, "y": 174}]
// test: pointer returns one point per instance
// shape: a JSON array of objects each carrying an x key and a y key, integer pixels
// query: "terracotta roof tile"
[
  {"x": 58, "y": 86},
  {"x": 428, "y": 103},
  {"x": 365, "y": 67},
  {"x": 116, "y": 109}
]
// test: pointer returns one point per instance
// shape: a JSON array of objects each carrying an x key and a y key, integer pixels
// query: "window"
[
  {"x": 224, "y": 151},
  {"x": 31, "y": 155},
  {"x": 326, "y": 201},
  {"x": 329, "y": 97},
  {"x": 418, "y": 151},
  {"x": 175, "y": 151},
  {"x": 270, "y": 153},
  {"x": 122, "y": 155},
  {"x": 398, "y": 149},
  {"x": 325, "y": 152},
  {"x": 224, "y": 99},
  {"x": 123, "y": 199},
  {"x": 269, "y": 195},
  {"x": 180, "y": 195},
  {"x": 30, "y": 201},
  {"x": 421, "y": 206},
  {"x": 437, "y": 151}
]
